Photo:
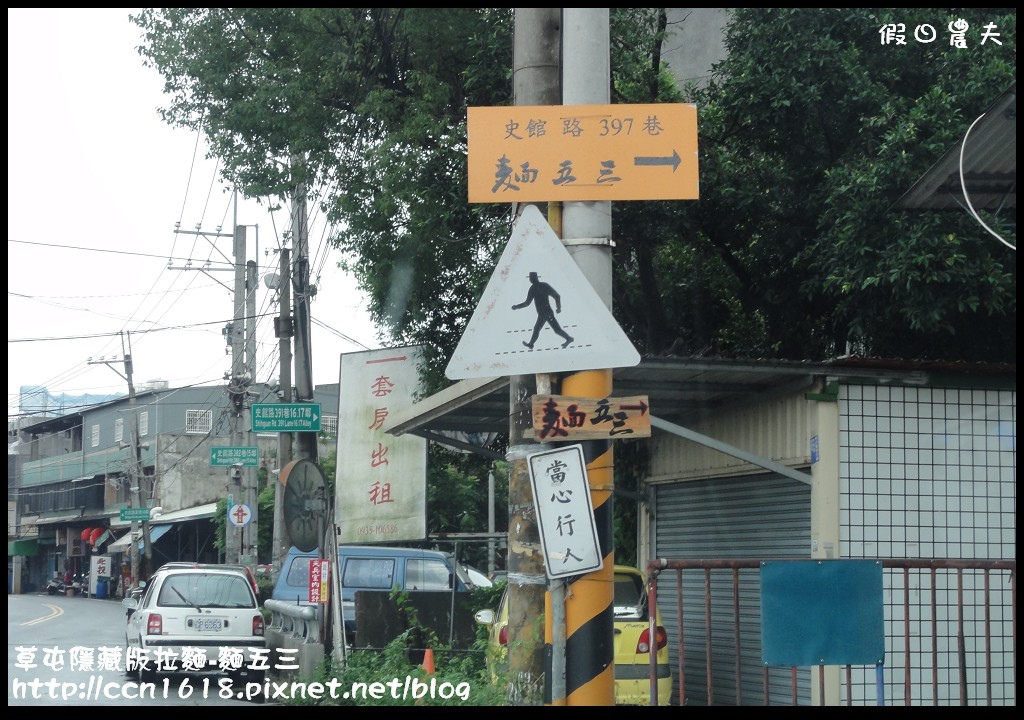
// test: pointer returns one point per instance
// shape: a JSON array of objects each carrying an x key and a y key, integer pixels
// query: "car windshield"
[
  {"x": 298, "y": 572},
  {"x": 206, "y": 590},
  {"x": 630, "y": 598}
]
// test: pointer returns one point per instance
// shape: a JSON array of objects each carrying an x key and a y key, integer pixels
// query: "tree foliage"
[
  {"x": 457, "y": 497},
  {"x": 810, "y": 129},
  {"x": 366, "y": 109}
]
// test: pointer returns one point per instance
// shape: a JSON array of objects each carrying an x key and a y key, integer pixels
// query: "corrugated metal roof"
[
  {"x": 990, "y": 165},
  {"x": 679, "y": 390}
]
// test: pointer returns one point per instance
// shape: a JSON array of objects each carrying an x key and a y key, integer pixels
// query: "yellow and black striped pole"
[
  {"x": 589, "y": 613},
  {"x": 586, "y": 230}
]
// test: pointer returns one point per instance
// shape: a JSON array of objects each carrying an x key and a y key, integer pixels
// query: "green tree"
[
  {"x": 367, "y": 107},
  {"x": 809, "y": 130},
  {"x": 457, "y": 498}
]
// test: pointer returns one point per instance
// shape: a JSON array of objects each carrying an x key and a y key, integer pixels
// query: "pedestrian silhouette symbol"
[
  {"x": 541, "y": 294},
  {"x": 501, "y": 339}
]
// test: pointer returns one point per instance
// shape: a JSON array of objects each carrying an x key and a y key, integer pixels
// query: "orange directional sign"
[
  {"x": 551, "y": 153},
  {"x": 558, "y": 417}
]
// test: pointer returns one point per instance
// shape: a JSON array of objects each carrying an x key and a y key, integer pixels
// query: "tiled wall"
[{"x": 930, "y": 473}]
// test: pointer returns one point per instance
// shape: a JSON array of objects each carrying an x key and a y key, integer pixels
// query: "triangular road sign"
[{"x": 539, "y": 314}]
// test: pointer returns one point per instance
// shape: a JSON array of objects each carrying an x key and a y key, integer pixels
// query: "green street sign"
[
  {"x": 134, "y": 514},
  {"x": 246, "y": 456},
  {"x": 286, "y": 417}
]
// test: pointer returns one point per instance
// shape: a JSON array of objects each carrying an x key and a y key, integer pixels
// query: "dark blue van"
[{"x": 368, "y": 567}]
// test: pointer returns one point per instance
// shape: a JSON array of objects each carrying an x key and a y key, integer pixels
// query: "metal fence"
[{"x": 950, "y": 637}]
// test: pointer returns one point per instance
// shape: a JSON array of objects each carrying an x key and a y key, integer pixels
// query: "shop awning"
[
  {"x": 25, "y": 546},
  {"x": 58, "y": 519},
  {"x": 122, "y": 544},
  {"x": 199, "y": 512}
]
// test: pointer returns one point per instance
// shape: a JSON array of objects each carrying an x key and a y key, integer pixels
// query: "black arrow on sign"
[
  {"x": 642, "y": 407},
  {"x": 673, "y": 161}
]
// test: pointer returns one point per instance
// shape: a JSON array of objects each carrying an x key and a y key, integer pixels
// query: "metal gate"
[{"x": 763, "y": 515}]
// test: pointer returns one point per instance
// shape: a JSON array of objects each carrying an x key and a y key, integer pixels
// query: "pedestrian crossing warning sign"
[{"x": 539, "y": 314}]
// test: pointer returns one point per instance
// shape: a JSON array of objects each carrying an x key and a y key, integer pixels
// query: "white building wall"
[{"x": 931, "y": 473}]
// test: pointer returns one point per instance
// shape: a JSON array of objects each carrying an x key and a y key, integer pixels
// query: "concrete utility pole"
[
  {"x": 283, "y": 330},
  {"x": 535, "y": 81},
  {"x": 251, "y": 544},
  {"x": 135, "y": 469},
  {"x": 306, "y": 444},
  {"x": 237, "y": 387},
  {"x": 586, "y": 233},
  {"x": 562, "y": 57},
  {"x": 241, "y": 333}
]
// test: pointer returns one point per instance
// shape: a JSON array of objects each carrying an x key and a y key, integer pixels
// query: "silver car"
[{"x": 196, "y": 620}]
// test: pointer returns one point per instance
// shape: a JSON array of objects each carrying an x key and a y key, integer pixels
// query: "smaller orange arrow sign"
[{"x": 558, "y": 417}]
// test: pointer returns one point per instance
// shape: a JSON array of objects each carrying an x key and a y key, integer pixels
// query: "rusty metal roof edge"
[{"x": 919, "y": 195}]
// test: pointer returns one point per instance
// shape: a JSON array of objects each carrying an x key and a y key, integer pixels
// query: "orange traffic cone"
[{"x": 428, "y": 661}]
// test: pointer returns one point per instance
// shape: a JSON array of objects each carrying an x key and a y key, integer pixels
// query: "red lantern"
[
  {"x": 95, "y": 535},
  {"x": 86, "y": 533}
]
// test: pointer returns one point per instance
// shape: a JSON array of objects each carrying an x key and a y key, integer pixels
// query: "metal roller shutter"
[{"x": 751, "y": 517}]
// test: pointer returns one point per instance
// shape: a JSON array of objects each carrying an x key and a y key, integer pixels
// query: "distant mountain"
[{"x": 35, "y": 400}]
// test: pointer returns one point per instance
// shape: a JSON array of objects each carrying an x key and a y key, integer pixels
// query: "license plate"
[{"x": 208, "y": 624}]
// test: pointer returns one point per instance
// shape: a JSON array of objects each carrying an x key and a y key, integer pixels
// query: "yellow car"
[{"x": 632, "y": 640}]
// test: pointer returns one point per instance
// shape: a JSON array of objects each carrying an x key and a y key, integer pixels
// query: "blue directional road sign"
[{"x": 286, "y": 417}]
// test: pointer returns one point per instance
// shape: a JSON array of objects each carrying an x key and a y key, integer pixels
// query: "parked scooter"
[{"x": 78, "y": 584}]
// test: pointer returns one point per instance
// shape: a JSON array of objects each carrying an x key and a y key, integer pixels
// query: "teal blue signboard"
[{"x": 822, "y": 612}]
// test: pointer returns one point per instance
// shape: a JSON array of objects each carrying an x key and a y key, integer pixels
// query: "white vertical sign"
[
  {"x": 381, "y": 485},
  {"x": 561, "y": 494},
  {"x": 99, "y": 567}
]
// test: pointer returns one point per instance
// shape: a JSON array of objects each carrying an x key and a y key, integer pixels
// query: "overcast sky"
[{"x": 96, "y": 182}]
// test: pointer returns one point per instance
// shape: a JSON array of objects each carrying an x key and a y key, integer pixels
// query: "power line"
[
  {"x": 103, "y": 250},
  {"x": 117, "y": 333}
]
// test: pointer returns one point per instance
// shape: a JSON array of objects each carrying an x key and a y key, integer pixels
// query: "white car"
[{"x": 196, "y": 619}]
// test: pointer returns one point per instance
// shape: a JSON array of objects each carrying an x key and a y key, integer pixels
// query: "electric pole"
[
  {"x": 561, "y": 57},
  {"x": 306, "y": 444},
  {"x": 283, "y": 330},
  {"x": 237, "y": 389},
  {"x": 135, "y": 469},
  {"x": 294, "y": 275},
  {"x": 242, "y": 486},
  {"x": 589, "y": 606},
  {"x": 535, "y": 81},
  {"x": 250, "y": 495}
]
